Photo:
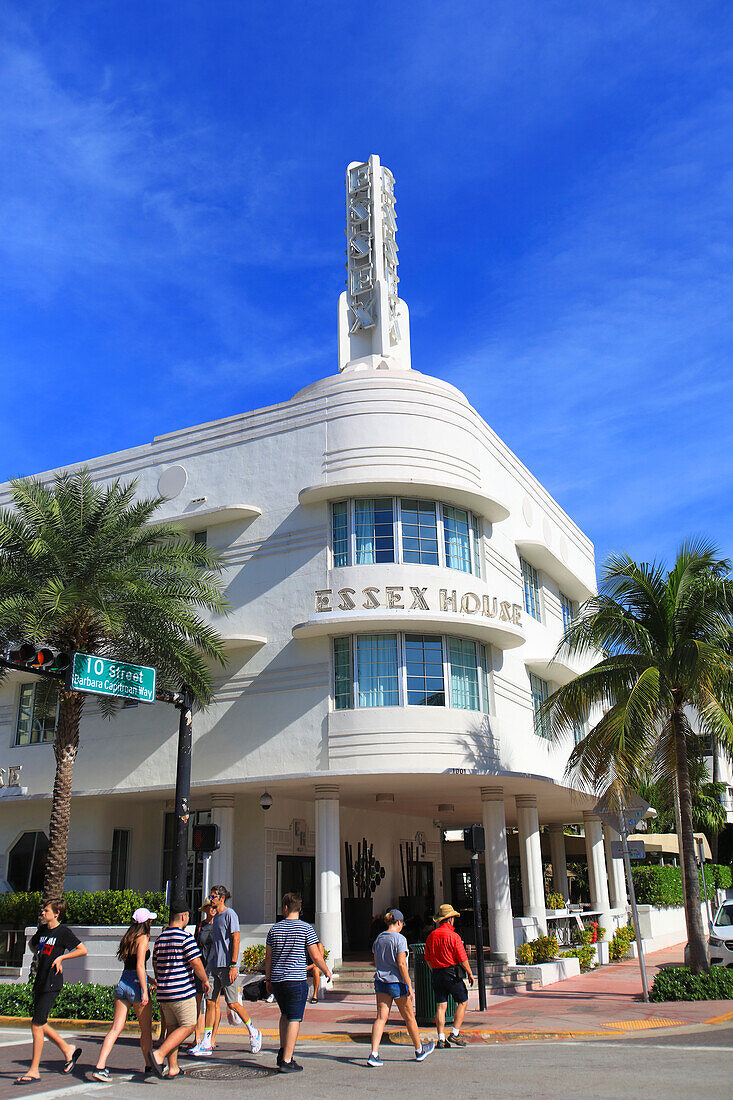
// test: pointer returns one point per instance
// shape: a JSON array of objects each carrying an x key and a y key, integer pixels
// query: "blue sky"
[{"x": 171, "y": 228}]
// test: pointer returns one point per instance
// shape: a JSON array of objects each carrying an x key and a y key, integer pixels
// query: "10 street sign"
[{"x": 100, "y": 676}]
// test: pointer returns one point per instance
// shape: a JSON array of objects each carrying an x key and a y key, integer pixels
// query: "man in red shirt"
[{"x": 446, "y": 956}]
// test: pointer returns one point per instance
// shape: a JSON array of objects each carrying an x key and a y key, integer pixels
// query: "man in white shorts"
[{"x": 222, "y": 964}]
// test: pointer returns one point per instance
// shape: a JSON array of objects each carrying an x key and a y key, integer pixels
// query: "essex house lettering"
[{"x": 399, "y": 597}]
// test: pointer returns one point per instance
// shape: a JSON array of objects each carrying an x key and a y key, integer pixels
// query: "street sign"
[
  {"x": 101, "y": 676},
  {"x": 636, "y": 849},
  {"x": 608, "y": 809}
]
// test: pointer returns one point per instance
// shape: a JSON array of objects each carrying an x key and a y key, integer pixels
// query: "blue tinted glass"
[{"x": 424, "y": 657}]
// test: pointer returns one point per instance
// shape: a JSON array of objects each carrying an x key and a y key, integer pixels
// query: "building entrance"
[{"x": 297, "y": 875}]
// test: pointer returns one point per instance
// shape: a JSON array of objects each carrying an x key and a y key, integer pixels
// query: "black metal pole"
[
  {"x": 179, "y": 899},
  {"x": 479, "y": 932}
]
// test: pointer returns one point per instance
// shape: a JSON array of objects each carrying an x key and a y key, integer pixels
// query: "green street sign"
[{"x": 100, "y": 676}]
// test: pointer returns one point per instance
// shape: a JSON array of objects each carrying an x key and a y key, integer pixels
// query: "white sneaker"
[
  {"x": 255, "y": 1040},
  {"x": 202, "y": 1052},
  {"x": 192, "y": 1051},
  {"x": 374, "y": 1061}
]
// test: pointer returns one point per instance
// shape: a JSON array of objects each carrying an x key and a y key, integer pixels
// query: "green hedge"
[
  {"x": 677, "y": 983},
  {"x": 100, "y": 907},
  {"x": 76, "y": 1001},
  {"x": 662, "y": 886}
]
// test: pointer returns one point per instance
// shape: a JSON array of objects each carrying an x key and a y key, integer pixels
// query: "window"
[
  {"x": 195, "y": 871},
  {"x": 389, "y": 670},
  {"x": 377, "y": 670},
  {"x": 27, "y": 862},
  {"x": 569, "y": 610},
  {"x": 457, "y": 539},
  {"x": 340, "y": 533},
  {"x": 118, "y": 863},
  {"x": 374, "y": 527},
  {"x": 416, "y": 532},
  {"x": 531, "y": 584},
  {"x": 200, "y": 538},
  {"x": 37, "y": 713},
  {"x": 540, "y": 692},
  {"x": 419, "y": 532},
  {"x": 342, "y": 694},
  {"x": 424, "y": 665}
]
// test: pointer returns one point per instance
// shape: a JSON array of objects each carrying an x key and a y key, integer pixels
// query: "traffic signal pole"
[
  {"x": 179, "y": 900},
  {"x": 479, "y": 931}
]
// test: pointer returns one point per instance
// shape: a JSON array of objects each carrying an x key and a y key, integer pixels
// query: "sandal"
[
  {"x": 71, "y": 1062},
  {"x": 26, "y": 1080},
  {"x": 172, "y": 1076}
]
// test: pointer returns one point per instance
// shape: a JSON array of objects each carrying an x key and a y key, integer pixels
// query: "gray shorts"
[{"x": 219, "y": 979}]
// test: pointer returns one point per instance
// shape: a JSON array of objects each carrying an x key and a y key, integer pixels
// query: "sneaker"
[
  {"x": 290, "y": 1067},
  {"x": 192, "y": 1051},
  {"x": 201, "y": 1052},
  {"x": 255, "y": 1040},
  {"x": 425, "y": 1049},
  {"x": 442, "y": 1044},
  {"x": 455, "y": 1041},
  {"x": 101, "y": 1075},
  {"x": 374, "y": 1061}
]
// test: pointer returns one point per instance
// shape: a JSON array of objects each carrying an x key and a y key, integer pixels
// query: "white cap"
[{"x": 142, "y": 914}]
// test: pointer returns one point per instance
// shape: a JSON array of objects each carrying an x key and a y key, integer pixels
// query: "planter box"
[{"x": 550, "y": 972}]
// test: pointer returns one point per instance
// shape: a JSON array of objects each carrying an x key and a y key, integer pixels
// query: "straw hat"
[{"x": 444, "y": 912}]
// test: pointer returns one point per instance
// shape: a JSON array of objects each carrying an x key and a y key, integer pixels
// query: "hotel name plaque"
[{"x": 400, "y": 597}]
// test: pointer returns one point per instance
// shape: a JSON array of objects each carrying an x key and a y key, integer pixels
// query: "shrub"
[
  {"x": 76, "y": 1001},
  {"x": 662, "y": 886},
  {"x": 253, "y": 958},
  {"x": 585, "y": 954},
  {"x": 678, "y": 983},
  {"x": 525, "y": 954},
  {"x": 555, "y": 901},
  {"x": 620, "y": 942},
  {"x": 99, "y": 907}
]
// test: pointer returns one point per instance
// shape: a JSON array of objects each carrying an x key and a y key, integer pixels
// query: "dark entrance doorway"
[{"x": 297, "y": 875}]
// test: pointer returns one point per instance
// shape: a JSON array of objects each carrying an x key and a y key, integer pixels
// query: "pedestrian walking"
[
  {"x": 176, "y": 959},
  {"x": 224, "y": 966},
  {"x": 203, "y": 939},
  {"x": 392, "y": 983},
  {"x": 446, "y": 956},
  {"x": 290, "y": 942},
  {"x": 53, "y": 944},
  {"x": 131, "y": 990}
]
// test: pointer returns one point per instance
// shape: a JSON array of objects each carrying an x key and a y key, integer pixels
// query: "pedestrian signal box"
[
  {"x": 206, "y": 838},
  {"x": 473, "y": 838}
]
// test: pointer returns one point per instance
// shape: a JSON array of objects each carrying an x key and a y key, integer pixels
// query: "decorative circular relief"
[
  {"x": 563, "y": 548},
  {"x": 547, "y": 531},
  {"x": 172, "y": 482},
  {"x": 527, "y": 511}
]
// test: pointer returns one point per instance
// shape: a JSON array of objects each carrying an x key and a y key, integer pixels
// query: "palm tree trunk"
[
  {"x": 716, "y": 777},
  {"x": 65, "y": 747},
  {"x": 695, "y": 933}
]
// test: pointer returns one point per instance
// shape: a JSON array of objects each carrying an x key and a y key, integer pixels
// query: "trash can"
[{"x": 424, "y": 995}]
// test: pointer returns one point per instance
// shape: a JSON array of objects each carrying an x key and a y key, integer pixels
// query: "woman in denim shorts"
[
  {"x": 131, "y": 989},
  {"x": 392, "y": 983}
]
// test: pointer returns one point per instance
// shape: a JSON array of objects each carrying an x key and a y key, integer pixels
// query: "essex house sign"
[{"x": 400, "y": 597}]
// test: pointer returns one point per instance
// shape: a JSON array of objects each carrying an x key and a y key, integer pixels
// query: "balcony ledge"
[
  {"x": 473, "y": 499},
  {"x": 542, "y": 557},
  {"x": 327, "y": 624},
  {"x": 548, "y": 669},
  {"x": 211, "y": 517}
]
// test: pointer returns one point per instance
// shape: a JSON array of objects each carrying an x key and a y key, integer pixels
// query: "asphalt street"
[{"x": 692, "y": 1062}]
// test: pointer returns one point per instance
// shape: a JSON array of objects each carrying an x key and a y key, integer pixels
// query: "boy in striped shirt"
[{"x": 176, "y": 958}]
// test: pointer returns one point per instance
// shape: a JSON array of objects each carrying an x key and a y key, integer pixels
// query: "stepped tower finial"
[{"x": 373, "y": 322}]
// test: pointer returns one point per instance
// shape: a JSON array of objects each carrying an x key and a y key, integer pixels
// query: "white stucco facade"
[{"x": 262, "y": 485}]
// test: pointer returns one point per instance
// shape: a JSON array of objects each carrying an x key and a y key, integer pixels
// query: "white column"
[
  {"x": 530, "y": 856},
  {"x": 501, "y": 921},
  {"x": 559, "y": 861},
  {"x": 597, "y": 877},
  {"x": 222, "y": 861},
  {"x": 615, "y": 870},
  {"x": 328, "y": 872}
]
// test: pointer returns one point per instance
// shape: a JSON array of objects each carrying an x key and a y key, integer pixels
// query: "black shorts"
[
  {"x": 42, "y": 1005},
  {"x": 446, "y": 985}
]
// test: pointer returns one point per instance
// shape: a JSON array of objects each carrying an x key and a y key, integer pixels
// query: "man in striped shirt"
[
  {"x": 176, "y": 958},
  {"x": 288, "y": 943}
]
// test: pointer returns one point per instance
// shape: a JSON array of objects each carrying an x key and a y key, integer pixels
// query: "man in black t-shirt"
[{"x": 51, "y": 942}]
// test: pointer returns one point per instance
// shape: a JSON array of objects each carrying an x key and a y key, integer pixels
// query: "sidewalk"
[{"x": 604, "y": 1002}]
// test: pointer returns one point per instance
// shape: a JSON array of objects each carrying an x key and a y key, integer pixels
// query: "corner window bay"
[{"x": 102, "y": 676}]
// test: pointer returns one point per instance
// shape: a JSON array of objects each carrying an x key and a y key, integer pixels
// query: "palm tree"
[
  {"x": 708, "y": 815},
  {"x": 665, "y": 639},
  {"x": 83, "y": 567}
]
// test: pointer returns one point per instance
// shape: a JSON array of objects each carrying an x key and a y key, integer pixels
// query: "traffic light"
[
  {"x": 473, "y": 838},
  {"x": 206, "y": 839},
  {"x": 30, "y": 658}
]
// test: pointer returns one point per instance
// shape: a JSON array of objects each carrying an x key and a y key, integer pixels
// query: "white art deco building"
[{"x": 399, "y": 583}]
